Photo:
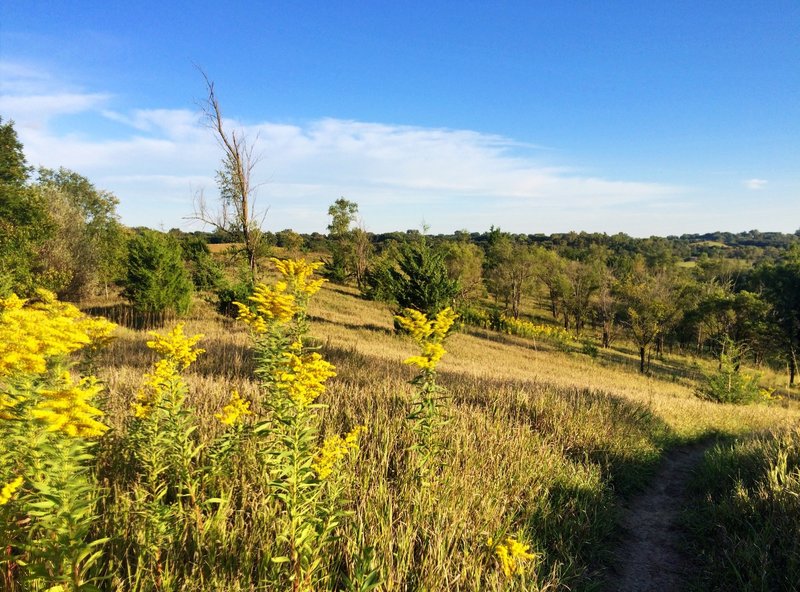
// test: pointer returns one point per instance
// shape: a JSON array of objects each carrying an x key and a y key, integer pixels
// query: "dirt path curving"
[{"x": 651, "y": 557}]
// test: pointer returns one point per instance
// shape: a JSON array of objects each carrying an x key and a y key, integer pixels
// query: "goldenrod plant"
[
  {"x": 305, "y": 474},
  {"x": 512, "y": 556},
  {"x": 426, "y": 413},
  {"x": 49, "y": 423},
  {"x": 168, "y": 496}
]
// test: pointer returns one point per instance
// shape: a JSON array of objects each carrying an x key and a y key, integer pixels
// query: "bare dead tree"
[{"x": 236, "y": 215}]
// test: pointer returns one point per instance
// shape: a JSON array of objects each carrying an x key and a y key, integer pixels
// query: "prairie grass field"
[{"x": 537, "y": 443}]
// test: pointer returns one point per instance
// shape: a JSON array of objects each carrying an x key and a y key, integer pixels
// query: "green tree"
[
  {"x": 206, "y": 274},
  {"x": 780, "y": 283},
  {"x": 86, "y": 248},
  {"x": 420, "y": 280},
  {"x": 550, "y": 271},
  {"x": 341, "y": 239},
  {"x": 289, "y": 240},
  {"x": 156, "y": 279},
  {"x": 511, "y": 270},
  {"x": 24, "y": 224},
  {"x": 582, "y": 281},
  {"x": 606, "y": 306},
  {"x": 464, "y": 261},
  {"x": 652, "y": 301}
]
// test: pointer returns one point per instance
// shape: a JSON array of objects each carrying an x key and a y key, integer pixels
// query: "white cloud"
[
  {"x": 158, "y": 158},
  {"x": 755, "y": 184}
]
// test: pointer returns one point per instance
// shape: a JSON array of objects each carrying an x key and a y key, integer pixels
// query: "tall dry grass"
[{"x": 540, "y": 443}]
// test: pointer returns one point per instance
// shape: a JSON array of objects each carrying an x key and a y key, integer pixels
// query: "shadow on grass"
[
  {"x": 127, "y": 316},
  {"x": 625, "y": 439},
  {"x": 354, "y": 326}
]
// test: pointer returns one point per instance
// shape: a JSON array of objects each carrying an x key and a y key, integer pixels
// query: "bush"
[
  {"x": 228, "y": 293},
  {"x": 156, "y": 279},
  {"x": 420, "y": 280},
  {"x": 205, "y": 272},
  {"x": 728, "y": 384}
]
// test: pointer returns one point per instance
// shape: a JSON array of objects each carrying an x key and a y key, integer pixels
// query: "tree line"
[
  {"x": 640, "y": 288},
  {"x": 693, "y": 292}
]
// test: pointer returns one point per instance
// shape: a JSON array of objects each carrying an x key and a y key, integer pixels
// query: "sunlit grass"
[{"x": 540, "y": 442}]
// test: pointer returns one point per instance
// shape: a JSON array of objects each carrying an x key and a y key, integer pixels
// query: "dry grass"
[{"x": 540, "y": 442}]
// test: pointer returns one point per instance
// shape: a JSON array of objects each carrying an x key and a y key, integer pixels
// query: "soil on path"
[{"x": 651, "y": 555}]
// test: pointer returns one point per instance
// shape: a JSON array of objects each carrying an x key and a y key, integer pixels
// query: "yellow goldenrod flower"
[
  {"x": 156, "y": 383},
  {"x": 431, "y": 354},
  {"x": 9, "y": 489},
  {"x": 7, "y": 403},
  {"x": 176, "y": 346},
  {"x": 416, "y": 323},
  {"x": 527, "y": 329},
  {"x": 68, "y": 409},
  {"x": 443, "y": 322},
  {"x": 297, "y": 273},
  {"x": 302, "y": 377},
  {"x": 235, "y": 409},
  {"x": 31, "y": 332},
  {"x": 177, "y": 352},
  {"x": 333, "y": 449},
  {"x": 429, "y": 334},
  {"x": 271, "y": 305},
  {"x": 512, "y": 555}
]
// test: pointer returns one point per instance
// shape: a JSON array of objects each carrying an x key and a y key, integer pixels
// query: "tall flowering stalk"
[
  {"x": 170, "y": 468},
  {"x": 426, "y": 412},
  {"x": 48, "y": 425},
  {"x": 304, "y": 473}
]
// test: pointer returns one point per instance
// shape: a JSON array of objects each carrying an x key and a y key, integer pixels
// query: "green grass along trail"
[{"x": 651, "y": 556}]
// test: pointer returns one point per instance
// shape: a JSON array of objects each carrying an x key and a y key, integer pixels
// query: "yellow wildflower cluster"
[
  {"x": 429, "y": 334},
  {"x": 512, "y": 555},
  {"x": 271, "y": 304},
  {"x": 767, "y": 394},
  {"x": 176, "y": 346},
  {"x": 302, "y": 377},
  {"x": 33, "y": 331},
  {"x": 67, "y": 408},
  {"x": 298, "y": 272},
  {"x": 178, "y": 352},
  {"x": 431, "y": 354},
  {"x": 9, "y": 489},
  {"x": 333, "y": 449},
  {"x": 527, "y": 329},
  {"x": 234, "y": 410}
]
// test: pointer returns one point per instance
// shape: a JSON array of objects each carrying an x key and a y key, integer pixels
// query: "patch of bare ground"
[{"x": 652, "y": 553}]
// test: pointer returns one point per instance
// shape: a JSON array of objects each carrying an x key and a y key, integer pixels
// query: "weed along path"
[{"x": 651, "y": 555}]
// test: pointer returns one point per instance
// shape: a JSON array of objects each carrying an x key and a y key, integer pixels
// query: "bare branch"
[{"x": 237, "y": 214}]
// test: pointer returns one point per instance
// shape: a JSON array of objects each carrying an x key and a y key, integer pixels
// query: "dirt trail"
[{"x": 651, "y": 555}]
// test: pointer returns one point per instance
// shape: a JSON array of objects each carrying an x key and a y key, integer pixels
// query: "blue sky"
[{"x": 641, "y": 117}]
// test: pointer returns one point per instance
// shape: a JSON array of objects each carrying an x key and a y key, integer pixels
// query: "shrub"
[
  {"x": 728, "y": 384},
  {"x": 228, "y": 293},
  {"x": 156, "y": 279},
  {"x": 206, "y": 273},
  {"x": 420, "y": 280}
]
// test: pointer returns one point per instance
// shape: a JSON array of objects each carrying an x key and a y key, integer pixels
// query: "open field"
[{"x": 540, "y": 443}]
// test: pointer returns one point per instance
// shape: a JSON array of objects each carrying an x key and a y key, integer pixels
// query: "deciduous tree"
[{"x": 237, "y": 216}]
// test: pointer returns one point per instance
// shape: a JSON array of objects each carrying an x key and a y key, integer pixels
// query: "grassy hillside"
[{"x": 539, "y": 443}]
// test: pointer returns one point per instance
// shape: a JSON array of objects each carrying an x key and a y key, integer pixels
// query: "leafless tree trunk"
[{"x": 236, "y": 216}]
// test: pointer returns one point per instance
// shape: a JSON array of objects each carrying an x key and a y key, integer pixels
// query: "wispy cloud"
[
  {"x": 755, "y": 184},
  {"x": 398, "y": 174}
]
